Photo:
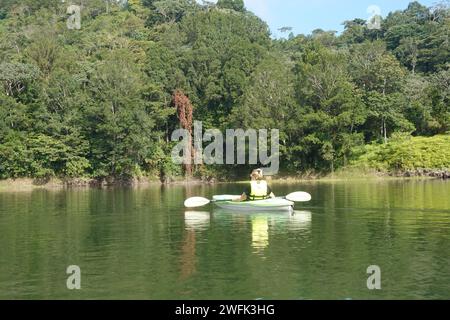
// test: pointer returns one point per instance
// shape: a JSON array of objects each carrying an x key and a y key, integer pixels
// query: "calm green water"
[{"x": 142, "y": 244}]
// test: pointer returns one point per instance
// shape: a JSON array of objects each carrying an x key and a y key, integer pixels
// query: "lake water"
[{"x": 140, "y": 243}]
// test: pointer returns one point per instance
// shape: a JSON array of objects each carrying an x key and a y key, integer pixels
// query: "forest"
[{"x": 100, "y": 101}]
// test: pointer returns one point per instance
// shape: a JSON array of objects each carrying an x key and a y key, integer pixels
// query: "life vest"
[{"x": 258, "y": 190}]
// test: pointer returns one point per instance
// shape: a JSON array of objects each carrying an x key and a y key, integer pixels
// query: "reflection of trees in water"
[
  {"x": 188, "y": 260},
  {"x": 194, "y": 222}
]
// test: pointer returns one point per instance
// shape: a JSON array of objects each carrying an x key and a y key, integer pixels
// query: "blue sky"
[{"x": 306, "y": 15}]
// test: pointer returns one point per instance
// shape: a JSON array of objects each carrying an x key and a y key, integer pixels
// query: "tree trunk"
[
  {"x": 185, "y": 115},
  {"x": 188, "y": 165},
  {"x": 382, "y": 129}
]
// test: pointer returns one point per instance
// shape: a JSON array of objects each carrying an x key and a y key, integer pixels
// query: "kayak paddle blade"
[
  {"x": 299, "y": 197},
  {"x": 196, "y": 202}
]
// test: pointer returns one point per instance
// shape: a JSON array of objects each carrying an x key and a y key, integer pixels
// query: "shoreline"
[{"x": 28, "y": 184}]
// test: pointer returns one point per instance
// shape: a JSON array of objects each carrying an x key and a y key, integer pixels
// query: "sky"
[{"x": 304, "y": 16}]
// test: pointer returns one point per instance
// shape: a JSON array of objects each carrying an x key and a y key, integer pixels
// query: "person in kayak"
[{"x": 258, "y": 188}]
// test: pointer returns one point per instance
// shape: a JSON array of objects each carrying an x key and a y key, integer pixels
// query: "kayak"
[
  {"x": 277, "y": 204},
  {"x": 229, "y": 202}
]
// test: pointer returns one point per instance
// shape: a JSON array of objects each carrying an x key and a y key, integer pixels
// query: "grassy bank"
[{"x": 403, "y": 156}]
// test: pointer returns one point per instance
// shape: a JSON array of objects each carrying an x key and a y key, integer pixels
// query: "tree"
[
  {"x": 169, "y": 11},
  {"x": 16, "y": 76},
  {"x": 356, "y": 31},
  {"x": 419, "y": 109},
  {"x": 269, "y": 99},
  {"x": 419, "y": 36},
  {"x": 408, "y": 52},
  {"x": 13, "y": 116},
  {"x": 388, "y": 111},
  {"x": 439, "y": 92},
  {"x": 379, "y": 73},
  {"x": 326, "y": 127},
  {"x": 185, "y": 112},
  {"x": 217, "y": 58},
  {"x": 119, "y": 124},
  {"x": 236, "y": 5}
]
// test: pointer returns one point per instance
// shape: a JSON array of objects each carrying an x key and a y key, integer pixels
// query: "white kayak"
[{"x": 277, "y": 204}]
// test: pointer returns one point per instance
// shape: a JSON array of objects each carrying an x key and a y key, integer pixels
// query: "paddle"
[
  {"x": 196, "y": 202},
  {"x": 298, "y": 197}
]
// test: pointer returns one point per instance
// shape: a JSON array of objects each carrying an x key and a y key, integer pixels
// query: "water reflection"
[
  {"x": 300, "y": 220},
  {"x": 141, "y": 244},
  {"x": 197, "y": 220},
  {"x": 260, "y": 232},
  {"x": 194, "y": 221},
  {"x": 261, "y": 225},
  {"x": 188, "y": 260}
]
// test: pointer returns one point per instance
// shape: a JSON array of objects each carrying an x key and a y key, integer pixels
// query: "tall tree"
[
  {"x": 236, "y": 5},
  {"x": 185, "y": 112}
]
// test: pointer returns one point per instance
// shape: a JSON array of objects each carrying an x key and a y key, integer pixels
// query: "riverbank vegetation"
[
  {"x": 98, "y": 102},
  {"x": 407, "y": 156}
]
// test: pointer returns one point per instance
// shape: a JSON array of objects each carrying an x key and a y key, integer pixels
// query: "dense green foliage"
[
  {"x": 406, "y": 153},
  {"x": 98, "y": 101}
]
